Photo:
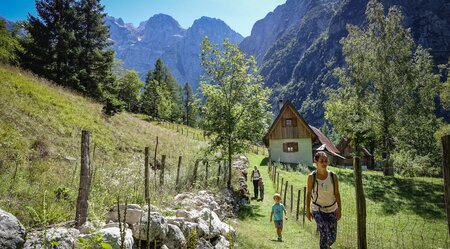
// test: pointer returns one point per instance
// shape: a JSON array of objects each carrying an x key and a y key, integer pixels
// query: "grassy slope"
[
  {"x": 38, "y": 118},
  {"x": 401, "y": 213}
]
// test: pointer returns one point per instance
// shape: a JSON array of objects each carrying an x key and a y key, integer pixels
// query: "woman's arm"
[
  {"x": 338, "y": 197},
  {"x": 308, "y": 198}
]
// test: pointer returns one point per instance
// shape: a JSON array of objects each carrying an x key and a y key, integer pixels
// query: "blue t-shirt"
[{"x": 277, "y": 210}]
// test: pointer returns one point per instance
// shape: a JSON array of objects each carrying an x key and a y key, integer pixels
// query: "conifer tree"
[
  {"x": 51, "y": 48},
  {"x": 189, "y": 106},
  {"x": 95, "y": 62},
  {"x": 162, "y": 94}
]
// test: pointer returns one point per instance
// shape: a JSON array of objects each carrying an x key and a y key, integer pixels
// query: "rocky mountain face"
[
  {"x": 162, "y": 37},
  {"x": 297, "y": 56}
]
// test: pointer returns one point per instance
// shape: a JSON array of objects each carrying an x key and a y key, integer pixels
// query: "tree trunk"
[{"x": 83, "y": 191}]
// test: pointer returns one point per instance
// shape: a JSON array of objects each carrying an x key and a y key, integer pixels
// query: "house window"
[
  {"x": 290, "y": 147},
  {"x": 289, "y": 122}
]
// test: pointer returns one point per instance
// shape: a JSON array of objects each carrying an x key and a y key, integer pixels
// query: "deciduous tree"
[{"x": 236, "y": 104}]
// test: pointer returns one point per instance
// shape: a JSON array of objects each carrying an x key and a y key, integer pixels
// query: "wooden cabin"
[
  {"x": 290, "y": 138},
  {"x": 347, "y": 151}
]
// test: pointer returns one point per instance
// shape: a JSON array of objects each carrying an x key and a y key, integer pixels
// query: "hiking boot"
[{"x": 280, "y": 239}]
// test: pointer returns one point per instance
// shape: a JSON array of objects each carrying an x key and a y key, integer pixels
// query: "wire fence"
[{"x": 417, "y": 220}]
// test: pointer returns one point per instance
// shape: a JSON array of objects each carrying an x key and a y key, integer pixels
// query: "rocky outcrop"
[
  {"x": 161, "y": 36},
  {"x": 59, "y": 237},
  {"x": 12, "y": 233}
]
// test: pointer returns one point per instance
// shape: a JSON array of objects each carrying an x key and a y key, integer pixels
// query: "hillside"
[
  {"x": 297, "y": 55},
  {"x": 40, "y": 130}
]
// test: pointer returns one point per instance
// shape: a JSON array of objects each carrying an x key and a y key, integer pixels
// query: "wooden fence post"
[
  {"x": 177, "y": 183},
  {"x": 446, "y": 173},
  {"x": 146, "y": 174},
  {"x": 163, "y": 165},
  {"x": 83, "y": 190},
  {"x": 285, "y": 193},
  {"x": 195, "y": 169},
  {"x": 282, "y": 183},
  {"x": 360, "y": 205},
  {"x": 304, "y": 205},
  {"x": 292, "y": 197},
  {"x": 218, "y": 174},
  {"x": 206, "y": 172},
  {"x": 298, "y": 203},
  {"x": 278, "y": 180}
]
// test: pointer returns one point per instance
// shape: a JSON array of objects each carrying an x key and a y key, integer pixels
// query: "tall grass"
[{"x": 40, "y": 133}]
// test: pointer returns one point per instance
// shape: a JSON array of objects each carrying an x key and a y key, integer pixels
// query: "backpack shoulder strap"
[
  {"x": 314, "y": 176},
  {"x": 332, "y": 174}
]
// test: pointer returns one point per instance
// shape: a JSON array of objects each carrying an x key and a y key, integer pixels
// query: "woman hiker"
[
  {"x": 323, "y": 189},
  {"x": 255, "y": 179}
]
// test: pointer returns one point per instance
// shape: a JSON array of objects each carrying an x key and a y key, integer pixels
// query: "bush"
[
  {"x": 410, "y": 164},
  {"x": 112, "y": 106}
]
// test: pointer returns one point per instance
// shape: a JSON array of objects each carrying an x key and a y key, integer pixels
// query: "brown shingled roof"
[{"x": 324, "y": 140}]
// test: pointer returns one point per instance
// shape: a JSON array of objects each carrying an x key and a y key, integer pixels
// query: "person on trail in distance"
[
  {"x": 277, "y": 212},
  {"x": 323, "y": 187},
  {"x": 255, "y": 179},
  {"x": 261, "y": 189}
]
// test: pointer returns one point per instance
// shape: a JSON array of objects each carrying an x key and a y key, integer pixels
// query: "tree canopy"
[
  {"x": 236, "y": 101},
  {"x": 388, "y": 88}
]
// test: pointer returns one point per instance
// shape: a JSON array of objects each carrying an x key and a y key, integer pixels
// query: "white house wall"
[{"x": 303, "y": 155}]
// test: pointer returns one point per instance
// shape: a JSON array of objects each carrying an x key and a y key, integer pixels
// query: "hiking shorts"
[{"x": 278, "y": 223}]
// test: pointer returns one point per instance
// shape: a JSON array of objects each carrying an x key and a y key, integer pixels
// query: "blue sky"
[{"x": 240, "y": 15}]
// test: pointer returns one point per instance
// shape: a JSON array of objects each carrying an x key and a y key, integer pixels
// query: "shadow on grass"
[
  {"x": 264, "y": 162},
  {"x": 425, "y": 199},
  {"x": 249, "y": 211}
]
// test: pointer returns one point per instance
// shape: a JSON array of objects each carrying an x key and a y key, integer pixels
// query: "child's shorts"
[{"x": 278, "y": 223}]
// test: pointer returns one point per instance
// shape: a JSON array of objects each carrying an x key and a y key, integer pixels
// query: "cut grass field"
[
  {"x": 40, "y": 133},
  {"x": 401, "y": 213}
]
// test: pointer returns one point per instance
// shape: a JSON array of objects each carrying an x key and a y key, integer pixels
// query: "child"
[
  {"x": 323, "y": 187},
  {"x": 261, "y": 188},
  {"x": 277, "y": 213}
]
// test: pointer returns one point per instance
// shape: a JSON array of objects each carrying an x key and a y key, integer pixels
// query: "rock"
[
  {"x": 242, "y": 158},
  {"x": 12, "y": 233},
  {"x": 111, "y": 235},
  {"x": 188, "y": 227},
  {"x": 158, "y": 227},
  {"x": 114, "y": 224},
  {"x": 164, "y": 247},
  {"x": 90, "y": 227},
  {"x": 134, "y": 214},
  {"x": 175, "y": 238},
  {"x": 202, "y": 243},
  {"x": 191, "y": 216},
  {"x": 60, "y": 236},
  {"x": 221, "y": 243},
  {"x": 153, "y": 208},
  {"x": 215, "y": 227},
  {"x": 175, "y": 221}
]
